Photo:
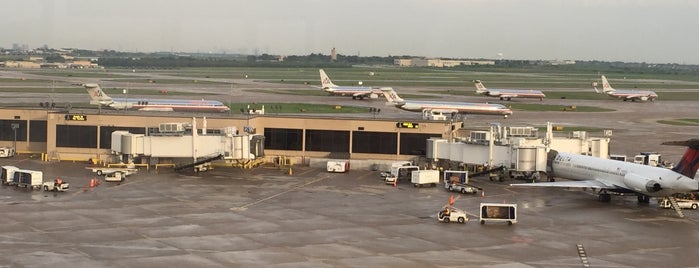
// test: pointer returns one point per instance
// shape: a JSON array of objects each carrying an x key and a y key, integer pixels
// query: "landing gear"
[
  {"x": 605, "y": 197},
  {"x": 643, "y": 199}
]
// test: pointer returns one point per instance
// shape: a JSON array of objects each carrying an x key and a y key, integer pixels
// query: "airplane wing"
[
  {"x": 594, "y": 184},
  {"x": 642, "y": 97},
  {"x": 443, "y": 111},
  {"x": 508, "y": 95}
]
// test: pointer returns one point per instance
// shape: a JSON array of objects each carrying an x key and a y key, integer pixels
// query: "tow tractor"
[
  {"x": 57, "y": 185},
  {"x": 451, "y": 214}
]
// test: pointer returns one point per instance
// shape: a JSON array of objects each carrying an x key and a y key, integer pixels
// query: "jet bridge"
[
  {"x": 184, "y": 143},
  {"x": 519, "y": 150}
]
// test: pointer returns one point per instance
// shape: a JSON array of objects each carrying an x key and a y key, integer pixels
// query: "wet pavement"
[{"x": 235, "y": 218}]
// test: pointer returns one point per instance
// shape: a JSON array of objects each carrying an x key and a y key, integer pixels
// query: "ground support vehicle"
[
  {"x": 424, "y": 177},
  {"x": 400, "y": 172},
  {"x": 452, "y": 214},
  {"x": 682, "y": 203},
  {"x": 495, "y": 212},
  {"x": 57, "y": 185},
  {"x": 7, "y": 173},
  {"x": 456, "y": 180},
  {"x": 460, "y": 187},
  {"x": 115, "y": 177},
  {"x": 28, "y": 178},
  {"x": 7, "y": 152},
  {"x": 102, "y": 171},
  {"x": 338, "y": 166}
]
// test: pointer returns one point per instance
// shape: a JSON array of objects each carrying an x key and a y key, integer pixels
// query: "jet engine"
[{"x": 641, "y": 184}]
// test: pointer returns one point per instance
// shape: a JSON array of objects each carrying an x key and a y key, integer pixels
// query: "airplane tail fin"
[
  {"x": 97, "y": 96},
  {"x": 480, "y": 88},
  {"x": 325, "y": 80},
  {"x": 689, "y": 164},
  {"x": 606, "y": 87},
  {"x": 391, "y": 96}
]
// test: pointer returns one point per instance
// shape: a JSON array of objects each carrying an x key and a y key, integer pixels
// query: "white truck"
[
  {"x": 7, "y": 152},
  {"x": 400, "y": 172},
  {"x": 28, "y": 178},
  {"x": 424, "y": 177},
  {"x": 339, "y": 166},
  {"x": 7, "y": 173},
  {"x": 57, "y": 185},
  {"x": 457, "y": 181},
  {"x": 452, "y": 214},
  {"x": 102, "y": 171},
  {"x": 117, "y": 176},
  {"x": 682, "y": 203}
]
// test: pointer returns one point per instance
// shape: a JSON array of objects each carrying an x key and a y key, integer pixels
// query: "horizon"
[{"x": 642, "y": 31}]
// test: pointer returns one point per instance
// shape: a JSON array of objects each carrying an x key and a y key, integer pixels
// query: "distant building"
[
  {"x": 439, "y": 63},
  {"x": 22, "y": 64},
  {"x": 403, "y": 62},
  {"x": 333, "y": 55},
  {"x": 562, "y": 62}
]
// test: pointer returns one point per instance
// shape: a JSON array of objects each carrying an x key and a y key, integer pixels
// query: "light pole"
[
  {"x": 14, "y": 127},
  {"x": 374, "y": 111}
]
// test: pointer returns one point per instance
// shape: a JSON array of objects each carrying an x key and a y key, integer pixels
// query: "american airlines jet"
[
  {"x": 98, "y": 97},
  {"x": 508, "y": 94},
  {"x": 356, "y": 92},
  {"x": 625, "y": 95},
  {"x": 444, "y": 107}
]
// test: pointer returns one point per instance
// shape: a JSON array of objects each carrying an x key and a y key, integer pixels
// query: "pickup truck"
[
  {"x": 452, "y": 214},
  {"x": 460, "y": 187},
  {"x": 683, "y": 203},
  {"x": 56, "y": 185},
  {"x": 102, "y": 171}
]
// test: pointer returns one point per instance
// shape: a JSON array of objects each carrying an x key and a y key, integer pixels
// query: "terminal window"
[
  {"x": 283, "y": 139},
  {"x": 374, "y": 142},
  {"x": 327, "y": 141},
  {"x": 76, "y": 136},
  {"x": 8, "y": 134}
]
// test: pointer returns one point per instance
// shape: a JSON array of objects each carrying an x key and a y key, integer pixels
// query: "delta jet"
[
  {"x": 98, "y": 97},
  {"x": 508, "y": 94},
  {"x": 633, "y": 95},
  {"x": 444, "y": 107},
  {"x": 356, "y": 92},
  {"x": 612, "y": 176}
]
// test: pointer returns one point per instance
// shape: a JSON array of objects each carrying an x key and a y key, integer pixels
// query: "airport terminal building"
[{"x": 80, "y": 135}]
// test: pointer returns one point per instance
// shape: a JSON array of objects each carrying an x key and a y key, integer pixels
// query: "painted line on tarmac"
[{"x": 245, "y": 207}]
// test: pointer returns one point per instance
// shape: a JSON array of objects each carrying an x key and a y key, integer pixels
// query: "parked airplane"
[
  {"x": 356, "y": 92},
  {"x": 633, "y": 95},
  {"x": 508, "y": 94},
  {"x": 444, "y": 107},
  {"x": 98, "y": 97},
  {"x": 613, "y": 176}
]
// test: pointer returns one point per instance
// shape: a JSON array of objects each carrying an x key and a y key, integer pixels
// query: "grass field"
[{"x": 681, "y": 122}]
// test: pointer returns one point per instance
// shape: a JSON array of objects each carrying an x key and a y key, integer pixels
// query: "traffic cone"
[
  {"x": 482, "y": 193},
  {"x": 291, "y": 172},
  {"x": 92, "y": 183}
]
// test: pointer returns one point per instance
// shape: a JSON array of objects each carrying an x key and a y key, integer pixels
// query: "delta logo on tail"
[{"x": 689, "y": 163}]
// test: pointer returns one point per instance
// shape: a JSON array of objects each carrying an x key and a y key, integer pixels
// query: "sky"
[{"x": 652, "y": 31}]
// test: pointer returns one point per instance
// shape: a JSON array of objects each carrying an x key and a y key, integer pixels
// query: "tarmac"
[{"x": 267, "y": 217}]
